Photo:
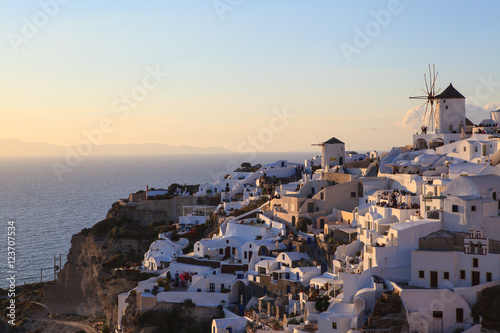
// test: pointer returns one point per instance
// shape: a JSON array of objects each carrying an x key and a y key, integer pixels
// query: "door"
[
  {"x": 249, "y": 255},
  {"x": 434, "y": 279},
  {"x": 228, "y": 253},
  {"x": 437, "y": 321},
  {"x": 475, "y": 278}
]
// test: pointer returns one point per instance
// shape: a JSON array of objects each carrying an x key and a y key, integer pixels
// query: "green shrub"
[
  {"x": 488, "y": 307},
  {"x": 322, "y": 303},
  {"x": 302, "y": 224}
]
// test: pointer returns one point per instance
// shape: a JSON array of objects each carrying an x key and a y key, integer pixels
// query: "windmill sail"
[{"x": 429, "y": 120}]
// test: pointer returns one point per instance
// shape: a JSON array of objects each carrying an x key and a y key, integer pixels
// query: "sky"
[{"x": 266, "y": 75}]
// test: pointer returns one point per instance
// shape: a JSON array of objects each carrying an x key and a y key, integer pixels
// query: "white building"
[
  {"x": 471, "y": 264},
  {"x": 161, "y": 253},
  {"x": 219, "y": 248},
  {"x": 229, "y": 324},
  {"x": 472, "y": 201},
  {"x": 262, "y": 247}
]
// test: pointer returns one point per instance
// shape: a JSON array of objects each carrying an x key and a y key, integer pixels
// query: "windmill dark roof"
[
  {"x": 468, "y": 122},
  {"x": 450, "y": 92},
  {"x": 332, "y": 141}
]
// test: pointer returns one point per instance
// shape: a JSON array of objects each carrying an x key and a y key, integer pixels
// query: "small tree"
[
  {"x": 302, "y": 224},
  {"x": 322, "y": 303}
]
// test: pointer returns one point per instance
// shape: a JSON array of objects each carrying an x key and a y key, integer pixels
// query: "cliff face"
[{"x": 89, "y": 285}]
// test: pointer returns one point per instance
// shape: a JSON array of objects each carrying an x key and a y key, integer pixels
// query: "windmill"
[{"x": 429, "y": 120}]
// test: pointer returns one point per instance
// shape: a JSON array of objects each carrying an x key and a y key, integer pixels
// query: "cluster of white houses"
[{"x": 422, "y": 223}]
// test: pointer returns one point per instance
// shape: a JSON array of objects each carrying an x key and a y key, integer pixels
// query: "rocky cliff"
[{"x": 90, "y": 282}]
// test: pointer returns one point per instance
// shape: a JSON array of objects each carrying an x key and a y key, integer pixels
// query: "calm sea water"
[{"x": 48, "y": 211}]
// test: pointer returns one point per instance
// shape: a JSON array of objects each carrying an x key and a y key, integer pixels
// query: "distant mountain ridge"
[{"x": 15, "y": 147}]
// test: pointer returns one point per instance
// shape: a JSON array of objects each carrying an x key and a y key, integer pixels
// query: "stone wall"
[{"x": 267, "y": 287}]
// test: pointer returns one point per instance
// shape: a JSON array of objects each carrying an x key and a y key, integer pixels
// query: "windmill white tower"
[
  {"x": 450, "y": 111},
  {"x": 444, "y": 117}
]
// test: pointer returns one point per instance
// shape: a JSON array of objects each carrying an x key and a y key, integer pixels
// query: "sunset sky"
[{"x": 338, "y": 68}]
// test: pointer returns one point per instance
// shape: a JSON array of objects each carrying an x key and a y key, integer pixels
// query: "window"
[
  {"x": 353, "y": 194},
  {"x": 459, "y": 315},
  {"x": 454, "y": 208},
  {"x": 334, "y": 325},
  {"x": 437, "y": 314},
  {"x": 250, "y": 245},
  {"x": 211, "y": 288},
  {"x": 198, "y": 290},
  {"x": 446, "y": 275},
  {"x": 475, "y": 149},
  {"x": 475, "y": 262},
  {"x": 234, "y": 251},
  {"x": 421, "y": 274},
  {"x": 462, "y": 274},
  {"x": 447, "y": 109},
  {"x": 221, "y": 251},
  {"x": 322, "y": 196},
  {"x": 473, "y": 208},
  {"x": 494, "y": 194},
  {"x": 221, "y": 286},
  {"x": 265, "y": 290},
  {"x": 451, "y": 127},
  {"x": 245, "y": 253},
  {"x": 465, "y": 148},
  {"x": 488, "y": 277}
]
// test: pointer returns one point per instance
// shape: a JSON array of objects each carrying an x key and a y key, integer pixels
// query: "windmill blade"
[
  {"x": 418, "y": 97},
  {"x": 426, "y": 86},
  {"x": 425, "y": 112},
  {"x": 434, "y": 85},
  {"x": 430, "y": 76},
  {"x": 433, "y": 114},
  {"x": 436, "y": 121}
]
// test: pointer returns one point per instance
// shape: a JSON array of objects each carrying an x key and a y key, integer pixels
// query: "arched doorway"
[{"x": 420, "y": 144}]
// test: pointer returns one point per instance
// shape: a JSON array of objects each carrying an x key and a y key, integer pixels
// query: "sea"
[{"x": 40, "y": 209}]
